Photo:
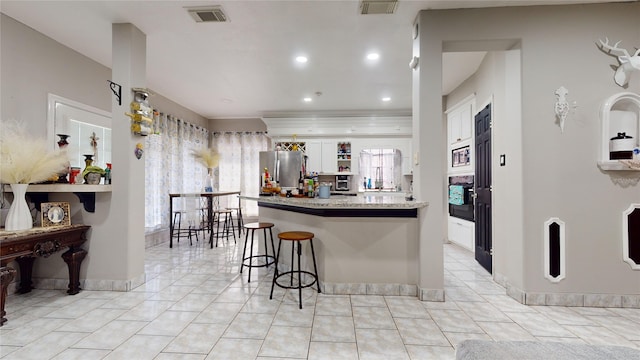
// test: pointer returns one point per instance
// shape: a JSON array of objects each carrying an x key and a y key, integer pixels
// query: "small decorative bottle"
[
  {"x": 62, "y": 144},
  {"x": 107, "y": 174}
]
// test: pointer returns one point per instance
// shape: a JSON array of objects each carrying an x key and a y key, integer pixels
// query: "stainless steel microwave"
[{"x": 342, "y": 182}]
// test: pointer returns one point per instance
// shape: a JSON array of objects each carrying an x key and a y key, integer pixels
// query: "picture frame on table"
[{"x": 55, "y": 214}]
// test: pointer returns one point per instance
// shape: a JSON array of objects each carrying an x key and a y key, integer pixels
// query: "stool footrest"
[
  {"x": 271, "y": 261},
  {"x": 297, "y": 286}
]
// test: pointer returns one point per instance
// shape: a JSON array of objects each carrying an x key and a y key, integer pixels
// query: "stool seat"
[
  {"x": 296, "y": 235},
  {"x": 258, "y": 225}
]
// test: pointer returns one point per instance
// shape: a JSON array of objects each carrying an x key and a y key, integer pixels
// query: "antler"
[{"x": 604, "y": 46}]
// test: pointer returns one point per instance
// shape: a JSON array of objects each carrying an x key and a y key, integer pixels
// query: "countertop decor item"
[
  {"x": 25, "y": 159},
  {"x": 91, "y": 174},
  {"x": 55, "y": 214}
]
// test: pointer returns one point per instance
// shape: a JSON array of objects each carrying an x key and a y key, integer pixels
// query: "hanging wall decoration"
[
  {"x": 141, "y": 113},
  {"x": 627, "y": 63},
  {"x": 561, "y": 107},
  {"x": 138, "y": 151}
]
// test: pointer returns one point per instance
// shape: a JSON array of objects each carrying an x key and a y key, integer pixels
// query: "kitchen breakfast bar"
[{"x": 365, "y": 244}]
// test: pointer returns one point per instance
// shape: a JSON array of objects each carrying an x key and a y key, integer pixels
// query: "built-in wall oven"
[
  {"x": 342, "y": 182},
  {"x": 461, "y": 197}
]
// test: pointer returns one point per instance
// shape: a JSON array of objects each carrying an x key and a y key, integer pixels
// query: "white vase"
[
  {"x": 208, "y": 181},
  {"x": 19, "y": 215}
]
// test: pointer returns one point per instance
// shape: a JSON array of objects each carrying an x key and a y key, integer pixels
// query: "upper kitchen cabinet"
[
  {"x": 460, "y": 136},
  {"x": 322, "y": 156},
  {"x": 460, "y": 122}
]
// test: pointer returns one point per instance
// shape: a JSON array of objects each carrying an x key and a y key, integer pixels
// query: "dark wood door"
[{"x": 483, "y": 187}]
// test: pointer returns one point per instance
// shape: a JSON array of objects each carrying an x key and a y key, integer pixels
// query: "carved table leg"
[
  {"x": 26, "y": 270},
  {"x": 7, "y": 275},
  {"x": 73, "y": 257}
]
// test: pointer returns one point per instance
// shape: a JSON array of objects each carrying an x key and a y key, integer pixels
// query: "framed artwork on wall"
[
  {"x": 55, "y": 214},
  {"x": 460, "y": 156}
]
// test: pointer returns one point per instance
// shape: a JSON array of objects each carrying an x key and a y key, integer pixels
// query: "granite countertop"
[{"x": 353, "y": 202}]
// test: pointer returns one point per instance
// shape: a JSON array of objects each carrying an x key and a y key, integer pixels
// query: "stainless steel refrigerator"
[{"x": 284, "y": 166}]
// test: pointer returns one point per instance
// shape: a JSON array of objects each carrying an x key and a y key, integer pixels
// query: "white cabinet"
[
  {"x": 314, "y": 155},
  {"x": 322, "y": 156},
  {"x": 460, "y": 123},
  {"x": 460, "y": 137},
  {"x": 407, "y": 168},
  {"x": 461, "y": 232},
  {"x": 329, "y": 158}
]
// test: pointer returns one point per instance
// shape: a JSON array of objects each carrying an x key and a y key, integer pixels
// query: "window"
[{"x": 380, "y": 169}]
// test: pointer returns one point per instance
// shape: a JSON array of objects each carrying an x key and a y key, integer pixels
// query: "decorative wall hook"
[
  {"x": 118, "y": 92},
  {"x": 628, "y": 64}
]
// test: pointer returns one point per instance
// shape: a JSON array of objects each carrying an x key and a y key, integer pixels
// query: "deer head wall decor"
[{"x": 628, "y": 64}]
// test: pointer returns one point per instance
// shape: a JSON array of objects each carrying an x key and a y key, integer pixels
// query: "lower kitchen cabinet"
[{"x": 462, "y": 232}]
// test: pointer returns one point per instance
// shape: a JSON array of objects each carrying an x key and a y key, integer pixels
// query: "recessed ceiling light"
[
  {"x": 373, "y": 56},
  {"x": 307, "y": 99},
  {"x": 386, "y": 98},
  {"x": 301, "y": 59}
]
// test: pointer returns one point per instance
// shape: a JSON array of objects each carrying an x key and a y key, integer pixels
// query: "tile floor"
[{"x": 195, "y": 306}]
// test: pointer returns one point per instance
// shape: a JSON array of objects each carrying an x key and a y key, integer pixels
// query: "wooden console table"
[{"x": 25, "y": 246}]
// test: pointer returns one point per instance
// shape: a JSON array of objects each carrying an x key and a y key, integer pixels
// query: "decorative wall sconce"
[
  {"x": 141, "y": 112},
  {"x": 627, "y": 63},
  {"x": 562, "y": 107}
]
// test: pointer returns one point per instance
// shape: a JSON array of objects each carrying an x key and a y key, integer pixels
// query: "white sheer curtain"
[
  {"x": 239, "y": 163},
  {"x": 170, "y": 166}
]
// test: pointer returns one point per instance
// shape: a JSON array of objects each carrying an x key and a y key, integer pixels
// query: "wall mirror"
[
  {"x": 380, "y": 169},
  {"x": 89, "y": 130}
]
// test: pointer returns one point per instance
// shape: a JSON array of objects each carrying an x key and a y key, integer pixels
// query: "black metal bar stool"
[
  {"x": 239, "y": 218},
  {"x": 227, "y": 225},
  {"x": 268, "y": 259},
  {"x": 296, "y": 237}
]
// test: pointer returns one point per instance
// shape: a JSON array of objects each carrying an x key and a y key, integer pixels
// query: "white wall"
[{"x": 556, "y": 173}]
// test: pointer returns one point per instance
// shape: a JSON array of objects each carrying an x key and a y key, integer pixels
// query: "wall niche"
[{"x": 619, "y": 114}]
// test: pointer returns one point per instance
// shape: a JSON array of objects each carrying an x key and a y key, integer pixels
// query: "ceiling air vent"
[
  {"x": 208, "y": 14},
  {"x": 378, "y": 6}
]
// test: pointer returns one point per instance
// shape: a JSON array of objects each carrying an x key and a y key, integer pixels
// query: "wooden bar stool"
[
  {"x": 268, "y": 259},
  {"x": 296, "y": 237}
]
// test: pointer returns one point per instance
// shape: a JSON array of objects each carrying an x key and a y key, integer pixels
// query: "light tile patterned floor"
[{"x": 195, "y": 306}]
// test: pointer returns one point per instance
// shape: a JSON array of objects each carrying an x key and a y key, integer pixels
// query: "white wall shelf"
[
  {"x": 39, "y": 193},
  {"x": 614, "y": 165}
]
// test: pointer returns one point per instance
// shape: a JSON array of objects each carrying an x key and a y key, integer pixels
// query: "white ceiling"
[{"x": 244, "y": 68}]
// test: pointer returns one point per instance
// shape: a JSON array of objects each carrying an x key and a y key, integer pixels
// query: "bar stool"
[
  {"x": 228, "y": 228},
  {"x": 268, "y": 259},
  {"x": 296, "y": 237},
  {"x": 239, "y": 218},
  {"x": 190, "y": 211}
]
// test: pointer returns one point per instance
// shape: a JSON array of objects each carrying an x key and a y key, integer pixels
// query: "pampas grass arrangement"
[
  {"x": 206, "y": 157},
  {"x": 25, "y": 159}
]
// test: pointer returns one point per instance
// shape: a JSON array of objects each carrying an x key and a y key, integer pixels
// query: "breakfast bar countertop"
[{"x": 344, "y": 202}]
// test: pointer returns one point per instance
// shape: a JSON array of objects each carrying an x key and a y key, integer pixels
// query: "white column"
[
  {"x": 429, "y": 174},
  {"x": 126, "y": 213}
]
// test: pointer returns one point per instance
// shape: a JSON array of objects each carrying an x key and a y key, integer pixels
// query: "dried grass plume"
[
  {"x": 207, "y": 157},
  {"x": 26, "y": 159}
]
